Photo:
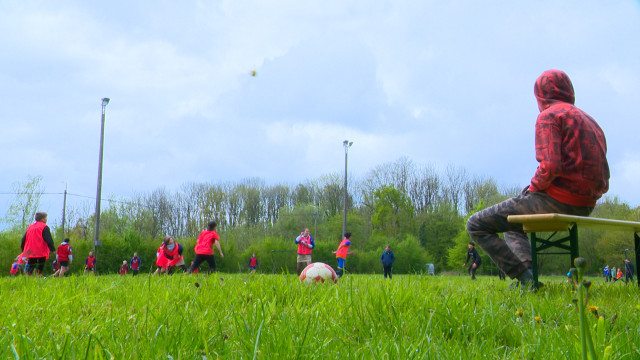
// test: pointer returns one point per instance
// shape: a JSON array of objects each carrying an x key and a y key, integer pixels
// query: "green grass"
[{"x": 276, "y": 317}]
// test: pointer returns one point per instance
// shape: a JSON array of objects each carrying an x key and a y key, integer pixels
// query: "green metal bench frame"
[{"x": 555, "y": 223}]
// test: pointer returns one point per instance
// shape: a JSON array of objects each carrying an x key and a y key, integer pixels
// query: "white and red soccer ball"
[{"x": 318, "y": 273}]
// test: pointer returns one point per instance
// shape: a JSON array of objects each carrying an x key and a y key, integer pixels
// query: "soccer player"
[
  {"x": 253, "y": 263},
  {"x": 170, "y": 256},
  {"x": 36, "y": 244},
  {"x": 573, "y": 173},
  {"x": 305, "y": 246},
  {"x": 342, "y": 252},
  {"x": 64, "y": 257},
  {"x": 124, "y": 269},
  {"x": 16, "y": 266},
  {"x": 204, "y": 248},
  {"x": 475, "y": 260},
  {"x": 135, "y": 264},
  {"x": 90, "y": 263}
]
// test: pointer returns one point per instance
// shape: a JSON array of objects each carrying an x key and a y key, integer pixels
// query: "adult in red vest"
[
  {"x": 37, "y": 243},
  {"x": 64, "y": 257},
  {"x": 305, "y": 246},
  {"x": 204, "y": 248},
  {"x": 135, "y": 264},
  {"x": 90, "y": 263}
]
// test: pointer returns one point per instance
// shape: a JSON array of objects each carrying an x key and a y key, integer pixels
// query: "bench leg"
[
  {"x": 637, "y": 243},
  {"x": 534, "y": 258},
  {"x": 573, "y": 244}
]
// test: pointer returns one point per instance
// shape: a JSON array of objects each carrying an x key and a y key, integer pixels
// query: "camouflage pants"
[{"x": 513, "y": 254}]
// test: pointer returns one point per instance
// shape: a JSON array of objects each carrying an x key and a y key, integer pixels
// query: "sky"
[{"x": 442, "y": 83}]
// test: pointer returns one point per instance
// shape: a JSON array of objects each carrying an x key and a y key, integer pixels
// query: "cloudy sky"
[{"x": 439, "y": 82}]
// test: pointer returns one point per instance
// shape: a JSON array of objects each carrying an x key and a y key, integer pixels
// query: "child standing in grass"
[
  {"x": 253, "y": 263},
  {"x": 124, "y": 269},
  {"x": 342, "y": 252},
  {"x": 90, "y": 263}
]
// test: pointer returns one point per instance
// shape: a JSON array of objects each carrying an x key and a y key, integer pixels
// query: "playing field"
[{"x": 239, "y": 316}]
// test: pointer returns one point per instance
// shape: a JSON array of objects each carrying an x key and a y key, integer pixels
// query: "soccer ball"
[{"x": 318, "y": 272}]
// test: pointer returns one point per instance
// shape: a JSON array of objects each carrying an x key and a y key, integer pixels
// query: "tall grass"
[{"x": 240, "y": 316}]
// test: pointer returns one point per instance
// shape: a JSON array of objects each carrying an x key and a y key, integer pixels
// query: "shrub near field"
[{"x": 239, "y": 316}]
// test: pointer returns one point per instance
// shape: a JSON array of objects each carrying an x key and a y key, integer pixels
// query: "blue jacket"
[{"x": 387, "y": 258}]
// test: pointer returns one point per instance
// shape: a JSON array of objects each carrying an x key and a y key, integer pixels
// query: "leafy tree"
[
  {"x": 393, "y": 212},
  {"x": 442, "y": 226}
]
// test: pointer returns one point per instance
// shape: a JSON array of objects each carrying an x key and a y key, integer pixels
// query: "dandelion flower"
[
  {"x": 519, "y": 312},
  {"x": 537, "y": 319},
  {"x": 593, "y": 310}
]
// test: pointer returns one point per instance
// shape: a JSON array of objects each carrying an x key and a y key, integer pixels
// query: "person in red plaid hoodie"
[{"x": 572, "y": 175}]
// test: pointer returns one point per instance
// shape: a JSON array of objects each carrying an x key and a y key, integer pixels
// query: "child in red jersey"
[
  {"x": 342, "y": 252},
  {"x": 253, "y": 263},
  {"x": 124, "y": 269},
  {"x": 64, "y": 257},
  {"x": 204, "y": 248},
  {"x": 90, "y": 263}
]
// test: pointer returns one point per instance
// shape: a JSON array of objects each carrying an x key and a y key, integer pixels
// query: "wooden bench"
[{"x": 568, "y": 223}]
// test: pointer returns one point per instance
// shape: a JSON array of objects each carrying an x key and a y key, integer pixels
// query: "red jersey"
[
  {"x": 570, "y": 146},
  {"x": 303, "y": 245},
  {"x": 64, "y": 250},
  {"x": 135, "y": 263},
  {"x": 206, "y": 240},
  {"x": 91, "y": 262},
  {"x": 172, "y": 256},
  {"x": 253, "y": 262},
  {"x": 124, "y": 269},
  {"x": 35, "y": 246},
  {"x": 343, "y": 249}
]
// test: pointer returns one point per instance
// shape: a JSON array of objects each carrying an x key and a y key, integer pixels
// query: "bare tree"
[{"x": 26, "y": 202}]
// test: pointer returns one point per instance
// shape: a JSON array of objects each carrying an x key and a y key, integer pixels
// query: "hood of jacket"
[{"x": 551, "y": 87}]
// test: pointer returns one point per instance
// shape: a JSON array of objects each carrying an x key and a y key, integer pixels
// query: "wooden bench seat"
[{"x": 554, "y": 223}]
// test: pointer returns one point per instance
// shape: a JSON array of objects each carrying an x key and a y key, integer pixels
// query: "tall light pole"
[
  {"x": 96, "y": 231},
  {"x": 347, "y": 144},
  {"x": 64, "y": 209}
]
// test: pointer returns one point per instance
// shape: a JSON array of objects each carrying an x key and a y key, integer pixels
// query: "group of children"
[
  {"x": 169, "y": 256},
  {"x": 614, "y": 274}
]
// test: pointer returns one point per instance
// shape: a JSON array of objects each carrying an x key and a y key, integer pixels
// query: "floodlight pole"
[
  {"x": 96, "y": 231},
  {"x": 347, "y": 144}
]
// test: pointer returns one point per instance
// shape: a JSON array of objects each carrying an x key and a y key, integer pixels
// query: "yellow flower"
[
  {"x": 519, "y": 312},
  {"x": 593, "y": 309},
  {"x": 537, "y": 319}
]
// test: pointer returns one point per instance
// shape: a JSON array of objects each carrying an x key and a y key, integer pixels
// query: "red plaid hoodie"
[{"x": 570, "y": 146}]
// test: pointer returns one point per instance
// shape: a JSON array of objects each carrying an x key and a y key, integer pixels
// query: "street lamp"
[
  {"x": 96, "y": 232},
  {"x": 347, "y": 144}
]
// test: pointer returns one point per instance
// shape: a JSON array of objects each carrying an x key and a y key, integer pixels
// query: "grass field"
[{"x": 240, "y": 316}]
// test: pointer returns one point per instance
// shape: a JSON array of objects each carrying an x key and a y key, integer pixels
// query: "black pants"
[
  {"x": 387, "y": 270},
  {"x": 35, "y": 263},
  {"x": 199, "y": 259},
  {"x": 472, "y": 270}
]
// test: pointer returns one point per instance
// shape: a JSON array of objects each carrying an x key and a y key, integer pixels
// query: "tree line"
[{"x": 419, "y": 211}]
